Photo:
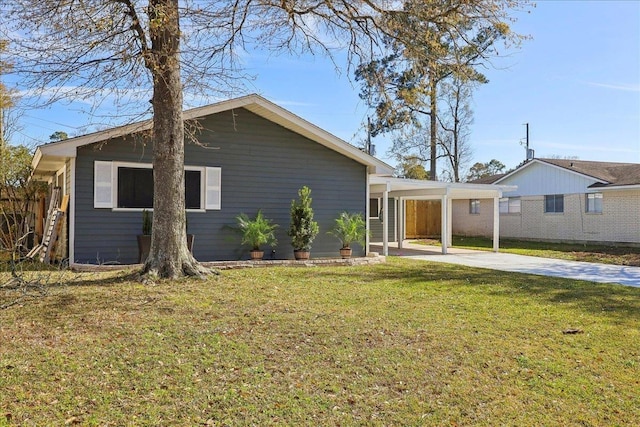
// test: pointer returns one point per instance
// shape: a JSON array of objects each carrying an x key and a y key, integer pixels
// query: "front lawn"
[
  {"x": 619, "y": 255},
  {"x": 405, "y": 343}
]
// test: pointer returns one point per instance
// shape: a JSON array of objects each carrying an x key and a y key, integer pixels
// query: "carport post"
[
  {"x": 444, "y": 227},
  {"x": 400, "y": 219},
  {"x": 496, "y": 223},
  {"x": 449, "y": 221},
  {"x": 385, "y": 220}
]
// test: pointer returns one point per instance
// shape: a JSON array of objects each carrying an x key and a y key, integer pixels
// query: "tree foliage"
[
  {"x": 431, "y": 42},
  {"x": 17, "y": 195},
  {"x": 58, "y": 136},
  {"x": 303, "y": 229},
  {"x": 412, "y": 168},
  {"x": 484, "y": 170},
  {"x": 454, "y": 127}
]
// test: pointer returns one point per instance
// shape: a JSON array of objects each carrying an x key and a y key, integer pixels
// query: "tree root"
[{"x": 189, "y": 267}]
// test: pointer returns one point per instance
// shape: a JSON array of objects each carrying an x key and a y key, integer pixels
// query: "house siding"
[
  {"x": 376, "y": 226},
  {"x": 263, "y": 166},
  {"x": 539, "y": 179}
]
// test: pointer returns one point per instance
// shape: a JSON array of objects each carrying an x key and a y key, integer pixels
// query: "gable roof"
[
  {"x": 487, "y": 179},
  {"x": 50, "y": 157},
  {"x": 612, "y": 173},
  {"x": 607, "y": 174}
]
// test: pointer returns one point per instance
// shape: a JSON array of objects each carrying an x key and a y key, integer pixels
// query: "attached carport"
[{"x": 402, "y": 190}]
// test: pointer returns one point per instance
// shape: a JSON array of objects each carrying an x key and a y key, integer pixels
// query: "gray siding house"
[{"x": 251, "y": 154}]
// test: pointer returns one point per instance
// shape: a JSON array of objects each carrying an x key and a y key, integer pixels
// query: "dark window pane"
[
  {"x": 554, "y": 203},
  {"x": 135, "y": 188},
  {"x": 374, "y": 208},
  {"x": 192, "y": 190}
]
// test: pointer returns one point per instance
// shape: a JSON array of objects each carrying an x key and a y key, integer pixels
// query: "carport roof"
[{"x": 419, "y": 189}]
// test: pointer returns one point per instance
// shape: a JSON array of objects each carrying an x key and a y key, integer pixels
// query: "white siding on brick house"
[
  {"x": 619, "y": 221},
  {"x": 540, "y": 179}
]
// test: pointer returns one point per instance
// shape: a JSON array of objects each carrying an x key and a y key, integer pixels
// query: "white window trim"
[{"x": 114, "y": 186}]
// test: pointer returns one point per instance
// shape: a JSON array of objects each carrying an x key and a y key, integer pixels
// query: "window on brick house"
[
  {"x": 474, "y": 206},
  {"x": 594, "y": 203},
  {"x": 554, "y": 203},
  {"x": 510, "y": 205}
]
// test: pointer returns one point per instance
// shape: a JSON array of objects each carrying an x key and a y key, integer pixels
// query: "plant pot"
[
  {"x": 346, "y": 252},
  {"x": 301, "y": 255},
  {"x": 144, "y": 245},
  {"x": 256, "y": 255}
]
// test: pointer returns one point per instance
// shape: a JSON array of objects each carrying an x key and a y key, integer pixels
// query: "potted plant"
[
  {"x": 144, "y": 239},
  {"x": 348, "y": 228},
  {"x": 256, "y": 232},
  {"x": 303, "y": 228}
]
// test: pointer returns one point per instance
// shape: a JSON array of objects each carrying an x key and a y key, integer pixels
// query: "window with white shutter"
[
  {"x": 213, "y": 192},
  {"x": 103, "y": 185}
]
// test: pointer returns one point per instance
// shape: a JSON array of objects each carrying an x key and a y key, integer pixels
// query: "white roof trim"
[
  {"x": 254, "y": 103},
  {"x": 542, "y": 162},
  {"x": 613, "y": 188},
  {"x": 415, "y": 188}
]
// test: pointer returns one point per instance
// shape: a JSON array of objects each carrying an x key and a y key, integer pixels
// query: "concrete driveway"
[{"x": 588, "y": 271}]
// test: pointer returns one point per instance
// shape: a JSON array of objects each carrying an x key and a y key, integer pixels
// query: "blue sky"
[{"x": 576, "y": 82}]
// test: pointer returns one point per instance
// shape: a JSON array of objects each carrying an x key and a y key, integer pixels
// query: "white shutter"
[
  {"x": 213, "y": 190},
  {"x": 102, "y": 185}
]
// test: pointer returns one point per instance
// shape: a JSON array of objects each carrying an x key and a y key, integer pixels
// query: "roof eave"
[{"x": 616, "y": 187}]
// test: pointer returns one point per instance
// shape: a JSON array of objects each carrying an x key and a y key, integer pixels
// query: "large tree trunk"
[{"x": 169, "y": 256}]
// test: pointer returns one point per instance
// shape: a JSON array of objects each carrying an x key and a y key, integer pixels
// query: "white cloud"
[{"x": 623, "y": 87}]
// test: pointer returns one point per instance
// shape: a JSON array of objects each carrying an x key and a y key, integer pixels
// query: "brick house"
[{"x": 560, "y": 200}]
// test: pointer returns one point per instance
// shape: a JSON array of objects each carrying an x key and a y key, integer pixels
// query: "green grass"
[
  {"x": 620, "y": 255},
  {"x": 403, "y": 343}
]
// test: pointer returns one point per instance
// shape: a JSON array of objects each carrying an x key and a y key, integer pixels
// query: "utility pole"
[
  {"x": 369, "y": 135},
  {"x": 528, "y": 154}
]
